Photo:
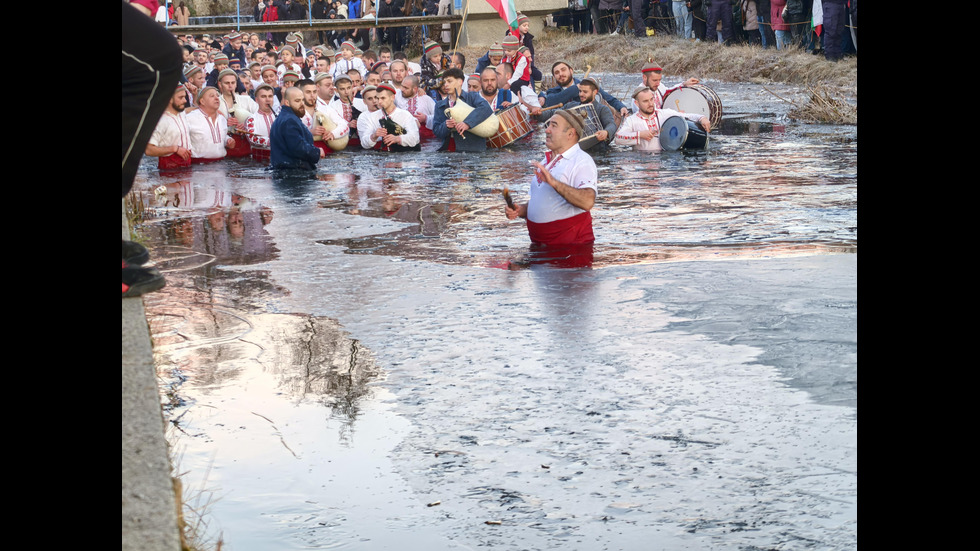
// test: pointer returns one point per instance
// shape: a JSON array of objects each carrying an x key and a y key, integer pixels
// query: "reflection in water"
[{"x": 205, "y": 346}]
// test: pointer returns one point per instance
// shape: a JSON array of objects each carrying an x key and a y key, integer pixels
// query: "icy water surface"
[{"x": 374, "y": 359}]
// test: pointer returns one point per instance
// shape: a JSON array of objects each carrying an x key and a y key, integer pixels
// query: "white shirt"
[
  {"x": 422, "y": 104},
  {"x": 207, "y": 135},
  {"x": 338, "y": 119},
  {"x": 171, "y": 130},
  {"x": 337, "y": 105},
  {"x": 629, "y": 131},
  {"x": 372, "y": 122},
  {"x": 574, "y": 168},
  {"x": 259, "y": 126},
  {"x": 342, "y": 65},
  {"x": 282, "y": 70},
  {"x": 242, "y": 102}
]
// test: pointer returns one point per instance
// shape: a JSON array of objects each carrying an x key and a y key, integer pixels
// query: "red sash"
[
  {"x": 203, "y": 160},
  {"x": 567, "y": 231},
  {"x": 172, "y": 161},
  {"x": 261, "y": 154},
  {"x": 242, "y": 147},
  {"x": 323, "y": 147},
  {"x": 425, "y": 133}
]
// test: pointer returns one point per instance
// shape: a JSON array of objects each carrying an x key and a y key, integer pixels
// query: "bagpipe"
[{"x": 394, "y": 129}]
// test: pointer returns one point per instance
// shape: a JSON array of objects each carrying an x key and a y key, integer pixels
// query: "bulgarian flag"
[
  {"x": 507, "y": 11},
  {"x": 817, "y": 20}
]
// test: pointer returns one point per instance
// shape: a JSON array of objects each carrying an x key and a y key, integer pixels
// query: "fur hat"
[{"x": 574, "y": 120}]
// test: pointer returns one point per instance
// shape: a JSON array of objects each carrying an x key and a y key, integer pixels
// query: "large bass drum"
[
  {"x": 696, "y": 99},
  {"x": 680, "y": 133},
  {"x": 514, "y": 125}
]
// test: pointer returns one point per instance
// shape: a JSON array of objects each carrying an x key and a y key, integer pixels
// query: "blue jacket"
[
  {"x": 470, "y": 141},
  {"x": 554, "y": 96},
  {"x": 291, "y": 143}
]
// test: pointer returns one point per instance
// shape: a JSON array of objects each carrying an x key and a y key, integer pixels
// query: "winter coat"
[
  {"x": 776, "y": 15},
  {"x": 750, "y": 17}
]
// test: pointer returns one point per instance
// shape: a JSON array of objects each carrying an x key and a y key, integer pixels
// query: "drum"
[
  {"x": 696, "y": 99},
  {"x": 485, "y": 129},
  {"x": 514, "y": 125},
  {"x": 592, "y": 125},
  {"x": 680, "y": 133}
]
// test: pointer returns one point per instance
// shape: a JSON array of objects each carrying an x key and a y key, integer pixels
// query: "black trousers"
[{"x": 151, "y": 69}]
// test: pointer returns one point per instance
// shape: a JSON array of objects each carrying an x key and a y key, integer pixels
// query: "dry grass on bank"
[{"x": 681, "y": 59}]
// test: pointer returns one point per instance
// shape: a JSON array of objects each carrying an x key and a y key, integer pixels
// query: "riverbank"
[
  {"x": 149, "y": 504},
  {"x": 684, "y": 58}
]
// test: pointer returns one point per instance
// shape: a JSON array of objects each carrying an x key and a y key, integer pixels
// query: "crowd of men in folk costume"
[{"x": 268, "y": 105}]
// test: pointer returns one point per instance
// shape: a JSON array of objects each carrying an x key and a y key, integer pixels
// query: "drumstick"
[
  {"x": 507, "y": 197},
  {"x": 587, "y": 69},
  {"x": 552, "y": 107}
]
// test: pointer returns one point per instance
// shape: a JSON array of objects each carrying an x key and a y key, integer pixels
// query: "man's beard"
[{"x": 178, "y": 107}]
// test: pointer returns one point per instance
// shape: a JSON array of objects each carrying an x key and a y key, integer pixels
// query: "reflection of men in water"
[
  {"x": 563, "y": 189},
  {"x": 390, "y": 128},
  {"x": 170, "y": 140},
  {"x": 291, "y": 143},
  {"x": 642, "y": 130},
  {"x": 208, "y": 128}
]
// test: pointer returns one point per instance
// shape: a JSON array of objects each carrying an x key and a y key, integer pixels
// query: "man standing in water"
[
  {"x": 170, "y": 140},
  {"x": 653, "y": 76},
  {"x": 567, "y": 91},
  {"x": 390, "y": 128},
  {"x": 290, "y": 141},
  {"x": 563, "y": 189},
  {"x": 456, "y": 136},
  {"x": 642, "y": 129}
]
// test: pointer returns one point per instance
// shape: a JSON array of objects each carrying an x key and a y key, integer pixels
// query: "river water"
[{"x": 374, "y": 359}]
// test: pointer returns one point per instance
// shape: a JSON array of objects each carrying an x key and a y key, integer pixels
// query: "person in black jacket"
[
  {"x": 319, "y": 10},
  {"x": 393, "y": 36}
]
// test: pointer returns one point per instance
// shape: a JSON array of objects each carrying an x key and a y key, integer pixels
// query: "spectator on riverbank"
[{"x": 779, "y": 26}]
